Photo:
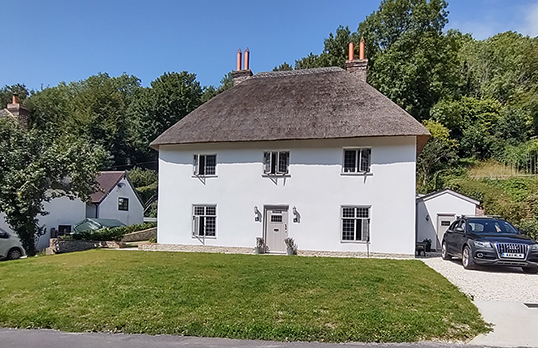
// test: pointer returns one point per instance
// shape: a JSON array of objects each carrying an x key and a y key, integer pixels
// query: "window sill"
[
  {"x": 354, "y": 242},
  {"x": 202, "y": 237},
  {"x": 357, "y": 174},
  {"x": 276, "y": 176},
  {"x": 204, "y": 176}
]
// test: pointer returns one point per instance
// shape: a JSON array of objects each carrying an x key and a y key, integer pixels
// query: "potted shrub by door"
[
  {"x": 291, "y": 248},
  {"x": 428, "y": 244},
  {"x": 260, "y": 246}
]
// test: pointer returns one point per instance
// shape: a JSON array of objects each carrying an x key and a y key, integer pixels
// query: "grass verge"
[{"x": 236, "y": 296}]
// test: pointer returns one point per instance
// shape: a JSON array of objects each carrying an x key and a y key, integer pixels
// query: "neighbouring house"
[
  {"x": 16, "y": 111},
  {"x": 317, "y": 155},
  {"x": 115, "y": 199},
  {"x": 437, "y": 210}
]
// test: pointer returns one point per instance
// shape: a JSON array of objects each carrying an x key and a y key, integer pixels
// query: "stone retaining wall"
[
  {"x": 240, "y": 250},
  {"x": 58, "y": 246},
  {"x": 140, "y": 235}
]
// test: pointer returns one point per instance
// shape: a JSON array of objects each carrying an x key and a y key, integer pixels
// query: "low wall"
[
  {"x": 58, "y": 246},
  {"x": 140, "y": 235},
  {"x": 239, "y": 250}
]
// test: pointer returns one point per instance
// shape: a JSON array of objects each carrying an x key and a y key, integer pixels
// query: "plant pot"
[
  {"x": 259, "y": 250},
  {"x": 291, "y": 251},
  {"x": 429, "y": 247}
]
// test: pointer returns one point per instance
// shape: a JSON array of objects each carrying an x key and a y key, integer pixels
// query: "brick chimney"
[
  {"x": 357, "y": 67},
  {"x": 241, "y": 74},
  {"x": 18, "y": 110}
]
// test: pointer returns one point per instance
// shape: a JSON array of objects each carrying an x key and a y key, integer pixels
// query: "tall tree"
[
  {"x": 411, "y": 60},
  {"x": 171, "y": 97},
  {"x": 35, "y": 169}
]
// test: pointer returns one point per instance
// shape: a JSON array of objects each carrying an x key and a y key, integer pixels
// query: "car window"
[
  {"x": 490, "y": 226},
  {"x": 453, "y": 225}
]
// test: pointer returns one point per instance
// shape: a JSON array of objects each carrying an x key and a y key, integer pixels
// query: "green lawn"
[{"x": 235, "y": 296}]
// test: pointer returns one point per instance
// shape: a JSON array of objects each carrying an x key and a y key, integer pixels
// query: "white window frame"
[
  {"x": 365, "y": 222},
  {"x": 198, "y": 218},
  {"x": 270, "y": 157},
  {"x": 196, "y": 165},
  {"x": 358, "y": 159}
]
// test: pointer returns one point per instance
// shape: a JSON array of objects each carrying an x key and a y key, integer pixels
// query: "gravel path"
[{"x": 507, "y": 284}]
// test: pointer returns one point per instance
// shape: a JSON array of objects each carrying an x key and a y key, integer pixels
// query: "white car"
[{"x": 10, "y": 246}]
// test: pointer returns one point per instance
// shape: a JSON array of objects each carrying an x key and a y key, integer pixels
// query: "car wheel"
[
  {"x": 444, "y": 253},
  {"x": 467, "y": 258},
  {"x": 14, "y": 254},
  {"x": 530, "y": 269}
]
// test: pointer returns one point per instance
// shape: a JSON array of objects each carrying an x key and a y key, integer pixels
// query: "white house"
[
  {"x": 115, "y": 199},
  {"x": 437, "y": 210},
  {"x": 316, "y": 154}
]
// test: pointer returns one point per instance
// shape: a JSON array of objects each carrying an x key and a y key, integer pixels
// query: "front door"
[
  {"x": 276, "y": 228},
  {"x": 443, "y": 222}
]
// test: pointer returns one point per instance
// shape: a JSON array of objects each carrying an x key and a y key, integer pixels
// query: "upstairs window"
[
  {"x": 276, "y": 162},
  {"x": 204, "y": 220},
  {"x": 123, "y": 204},
  {"x": 355, "y": 224},
  {"x": 205, "y": 165},
  {"x": 357, "y": 160}
]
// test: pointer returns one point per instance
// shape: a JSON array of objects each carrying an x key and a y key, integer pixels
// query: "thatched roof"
[{"x": 323, "y": 103}]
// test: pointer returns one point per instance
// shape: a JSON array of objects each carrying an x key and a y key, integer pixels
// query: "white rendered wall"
[
  {"x": 444, "y": 204},
  {"x": 108, "y": 208},
  {"x": 62, "y": 211},
  {"x": 315, "y": 186}
]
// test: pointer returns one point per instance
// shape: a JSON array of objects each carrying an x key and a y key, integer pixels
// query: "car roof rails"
[{"x": 483, "y": 216}]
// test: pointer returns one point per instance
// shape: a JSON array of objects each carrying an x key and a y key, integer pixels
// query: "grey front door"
[
  {"x": 443, "y": 222},
  {"x": 276, "y": 227}
]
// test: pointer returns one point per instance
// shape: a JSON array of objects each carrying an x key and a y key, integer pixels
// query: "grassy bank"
[{"x": 235, "y": 296}]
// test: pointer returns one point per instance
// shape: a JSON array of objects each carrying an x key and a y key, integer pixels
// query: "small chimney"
[
  {"x": 247, "y": 59},
  {"x": 238, "y": 60},
  {"x": 18, "y": 110},
  {"x": 240, "y": 74},
  {"x": 357, "y": 67}
]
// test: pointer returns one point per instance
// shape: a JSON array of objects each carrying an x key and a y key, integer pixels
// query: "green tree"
[
  {"x": 283, "y": 67},
  {"x": 437, "y": 155},
  {"x": 411, "y": 60},
  {"x": 36, "y": 169},
  {"x": 171, "y": 97},
  {"x": 95, "y": 108}
]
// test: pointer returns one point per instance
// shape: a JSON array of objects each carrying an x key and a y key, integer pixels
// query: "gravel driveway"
[{"x": 508, "y": 284}]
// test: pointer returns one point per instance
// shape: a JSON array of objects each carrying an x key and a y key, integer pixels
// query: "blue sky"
[{"x": 46, "y": 42}]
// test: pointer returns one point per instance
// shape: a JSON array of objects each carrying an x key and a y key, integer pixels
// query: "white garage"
[{"x": 436, "y": 211}]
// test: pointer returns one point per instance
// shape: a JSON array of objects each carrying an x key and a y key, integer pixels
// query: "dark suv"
[{"x": 487, "y": 240}]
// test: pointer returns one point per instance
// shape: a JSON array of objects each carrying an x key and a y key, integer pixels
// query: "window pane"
[
  {"x": 267, "y": 162},
  {"x": 199, "y": 210},
  {"x": 211, "y": 211},
  {"x": 365, "y": 160},
  {"x": 276, "y": 218},
  {"x": 365, "y": 230},
  {"x": 348, "y": 212},
  {"x": 350, "y": 159},
  {"x": 123, "y": 204},
  {"x": 348, "y": 229},
  {"x": 273, "y": 162},
  {"x": 362, "y": 212},
  {"x": 358, "y": 227},
  {"x": 210, "y": 164},
  {"x": 201, "y": 166},
  {"x": 283, "y": 160},
  {"x": 210, "y": 223}
]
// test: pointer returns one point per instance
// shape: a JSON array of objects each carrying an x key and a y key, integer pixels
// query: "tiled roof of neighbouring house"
[{"x": 106, "y": 181}]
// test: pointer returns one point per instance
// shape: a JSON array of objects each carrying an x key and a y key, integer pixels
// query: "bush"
[
  {"x": 112, "y": 234},
  {"x": 530, "y": 227}
]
